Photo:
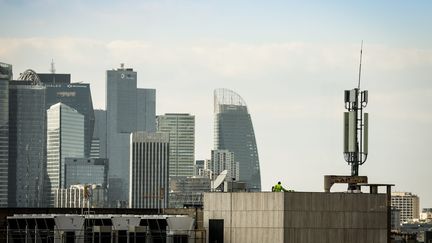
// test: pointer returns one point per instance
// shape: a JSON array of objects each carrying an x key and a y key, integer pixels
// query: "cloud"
[{"x": 225, "y": 59}]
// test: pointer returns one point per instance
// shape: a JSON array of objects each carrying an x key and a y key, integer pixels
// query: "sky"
[{"x": 289, "y": 60}]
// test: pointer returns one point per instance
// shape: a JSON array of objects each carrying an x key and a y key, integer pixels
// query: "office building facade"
[
  {"x": 149, "y": 166},
  {"x": 146, "y": 110},
  {"x": 81, "y": 196},
  {"x": 54, "y": 78},
  {"x": 65, "y": 138},
  {"x": 188, "y": 191},
  {"x": 5, "y": 77},
  {"x": 99, "y": 142},
  {"x": 224, "y": 160},
  {"x": 408, "y": 204},
  {"x": 86, "y": 171},
  {"x": 128, "y": 110},
  {"x": 199, "y": 166},
  {"x": 181, "y": 130},
  {"x": 234, "y": 131},
  {"x": 27, "y": 142},
  {"x": 78, "y": 97}
]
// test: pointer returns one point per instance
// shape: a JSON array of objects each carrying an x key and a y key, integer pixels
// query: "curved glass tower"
[{"x": 234, "y": 132}]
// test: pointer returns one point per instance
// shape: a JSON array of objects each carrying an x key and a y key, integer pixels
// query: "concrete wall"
[
  {"x": 299, "y": 217},
  {"x": 335, "y": 217},
  {"x": 256, "y": 217}
]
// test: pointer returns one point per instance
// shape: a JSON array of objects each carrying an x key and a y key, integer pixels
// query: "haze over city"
[{"x": 289, "y": 60}]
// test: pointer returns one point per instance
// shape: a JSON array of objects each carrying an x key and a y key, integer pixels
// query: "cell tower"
[{"x": 356, "y": 124}]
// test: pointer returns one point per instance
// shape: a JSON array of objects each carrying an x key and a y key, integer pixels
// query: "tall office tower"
[
  {"x": 27, "y": 141},
  {"x": 65, "y": 138},
  {"x": 99, "y": 142},
  {"x": 149, "y": 170},
  {"x": 224, "y": 160},
  {"x": 86, "y": 171},
  {"x": 78, "y": 97},
  {"x": 234, "y": 132},
  {"x": 5, "y": 77},
  {"x": 181, "y": 130},
  {"x": 408, "y": 204},
  {"x": 128, "y": 110},
  {"x": 146, "y": 110}
]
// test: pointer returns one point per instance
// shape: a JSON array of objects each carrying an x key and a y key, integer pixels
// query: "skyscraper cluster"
[{"x": 57, "y": 150}]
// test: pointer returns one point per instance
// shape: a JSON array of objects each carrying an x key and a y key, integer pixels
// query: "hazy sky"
[{"x": 289, "y": 60}]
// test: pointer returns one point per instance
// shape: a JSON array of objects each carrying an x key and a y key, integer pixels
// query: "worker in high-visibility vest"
[{"x": 279, "y": 188}]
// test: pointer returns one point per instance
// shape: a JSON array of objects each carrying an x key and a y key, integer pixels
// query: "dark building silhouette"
[
  {"x": 55, "y": 78},
  {"x": 27, "y": 143},
  {"x": 5, "y": 77}
]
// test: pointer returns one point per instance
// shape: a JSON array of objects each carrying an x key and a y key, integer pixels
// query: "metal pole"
[{"x": 388, "y": 213}]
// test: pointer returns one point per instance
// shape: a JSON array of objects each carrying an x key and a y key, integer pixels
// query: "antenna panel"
[
  {"x": 347, "y": 96},
  {"x": 350, "y": 132},
  {"x": 353, "y": 95},
  {"x": 366, "y": 133}
]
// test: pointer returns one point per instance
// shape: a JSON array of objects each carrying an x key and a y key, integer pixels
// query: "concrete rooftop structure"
[{"x": 296, "y": 217}]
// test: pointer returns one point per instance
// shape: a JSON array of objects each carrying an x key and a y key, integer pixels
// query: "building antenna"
[
  {"x": 361, "y": 54},
  {"x": 52, "y": 69}
]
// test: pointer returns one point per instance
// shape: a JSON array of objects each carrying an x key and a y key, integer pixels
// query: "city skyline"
[{"x": 291, "y": 62}]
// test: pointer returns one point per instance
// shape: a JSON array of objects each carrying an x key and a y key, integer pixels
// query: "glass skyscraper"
[
  {"x": 27, "y": 143},
  {"x": 76, "y": 96},
  {"x": 181, "y": 130},
  {"x": 128, "y": 110},
  {"x": 65, "y": 138},
  {"x": 5, "y": 77},
  {"x": 234, "y": 131}
]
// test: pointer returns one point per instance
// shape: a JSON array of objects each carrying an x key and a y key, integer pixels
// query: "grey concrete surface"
[{"x": 298, "y": 217}]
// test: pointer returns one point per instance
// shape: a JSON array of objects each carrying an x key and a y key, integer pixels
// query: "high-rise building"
[
  {"x": 5, "y": 77},
  {"x": 99, "y": 142},
  {"x": 65, "y": 138},
  {"x": 234, "y": 131},
  {"x": 146, "y": 110},
  {"x": 27, "y": 143},
  {"x": 78, "y": 97},
  {"x": 86, "y": 171},
  {"x": 408, "y": 204},
  {"x": 224, "y": 160},
  {"x": 128, "y": 110},
  {"x": 55, "y": 78},
  {"x": 181, "y": 130},
  {"x": 149, "y": 170}
]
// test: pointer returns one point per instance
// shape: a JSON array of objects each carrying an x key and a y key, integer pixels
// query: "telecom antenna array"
[{"x": 356, "y": 127}]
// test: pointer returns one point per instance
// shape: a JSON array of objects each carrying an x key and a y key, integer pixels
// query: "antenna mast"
[
  {"x": 361, "y": 54},
  {"x": 52, "y": 69},
  {"x": 356, "y": 127}
]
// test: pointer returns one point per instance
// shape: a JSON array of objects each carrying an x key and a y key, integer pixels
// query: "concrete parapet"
[{"x": 298, "y": 217}]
